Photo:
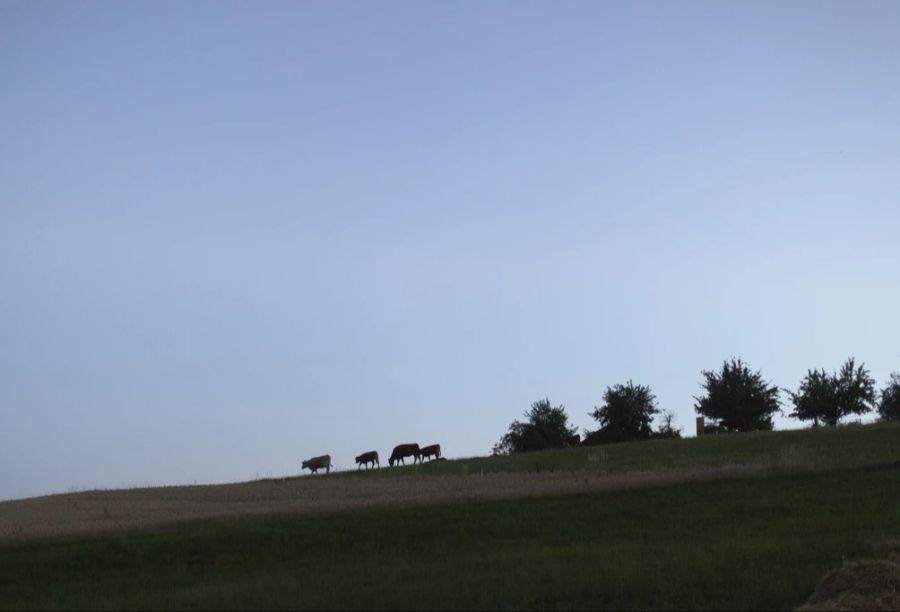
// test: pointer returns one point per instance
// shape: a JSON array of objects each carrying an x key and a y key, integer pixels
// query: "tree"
[
  {"x": 547, "y": 427},
  {"x": 666, "y": 428},
  {"x": 816, "y": 392},
  {"x": 889, "y": 407},
  {"x": 856, "y": 389},
  {"x": 626, "y": 414},
  {"x": 830, "y": 398},
  {"x": 738, "y": 399}
]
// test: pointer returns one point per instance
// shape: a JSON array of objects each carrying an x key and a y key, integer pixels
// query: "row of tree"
[{"x": 736, "y": 399}]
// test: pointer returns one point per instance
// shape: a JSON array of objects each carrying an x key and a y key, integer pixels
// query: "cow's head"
[{"x": 305, "y": 465}]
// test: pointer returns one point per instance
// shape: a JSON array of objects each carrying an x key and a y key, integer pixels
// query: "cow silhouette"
[
  {"x": 430, "y": 451},
  {"x": 316, "y": 463},
  {"x": 401, "y": 451},
  {"x": 367, "y": 458}
]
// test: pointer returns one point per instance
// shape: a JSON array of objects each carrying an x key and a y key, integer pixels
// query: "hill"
[{"x": 673, "y": 528}]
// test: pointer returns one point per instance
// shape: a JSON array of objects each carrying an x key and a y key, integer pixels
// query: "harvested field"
[
  {"x": 126, "y": 509},
  {"x": 750, "y": 543},
  {"x": 607, "y": 468}
]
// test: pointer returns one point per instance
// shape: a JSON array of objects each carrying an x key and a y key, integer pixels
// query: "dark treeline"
[{"x": 735, "y": 399}]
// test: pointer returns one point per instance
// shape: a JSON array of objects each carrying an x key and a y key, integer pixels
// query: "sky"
[{"x": 235, "y": 235}]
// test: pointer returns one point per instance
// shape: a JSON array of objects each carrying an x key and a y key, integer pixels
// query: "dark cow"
[
  {"x": 404, "y": 450},
  {"x": 367, "y": 458},
  {"x": 430, "y": 451},
  {"x": 323, "y": 461}
]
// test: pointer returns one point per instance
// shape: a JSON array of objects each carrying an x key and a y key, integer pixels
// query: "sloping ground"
[
  {"x": 759, "y": 543},
  {"x": 859, "y": 585},
  {"x": 606, "y": 468},
  {"x": 112, "y": 510},
  {"x": 812, "y": 448}
]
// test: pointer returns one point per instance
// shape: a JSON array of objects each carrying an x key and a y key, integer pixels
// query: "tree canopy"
[
  {"x": 626, "y": 414},
  {"x": 547, "y": 427},
  {"x": 738, "y": 399},
  {"x": 889, "y": 406},
  {"x": 828, "y": 398},
  {"x": 817, "y": 390}
]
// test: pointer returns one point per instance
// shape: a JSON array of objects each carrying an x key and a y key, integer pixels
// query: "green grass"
[
  {"x": 759, "y": 542},
  {"x": 756, "y": 543},
  {"x": 822, "y": 448}
]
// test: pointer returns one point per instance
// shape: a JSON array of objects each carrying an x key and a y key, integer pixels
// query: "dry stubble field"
[{"x": 125, "y": 509}]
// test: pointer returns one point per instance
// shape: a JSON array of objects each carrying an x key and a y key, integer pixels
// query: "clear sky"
[{"x": 234, "y": 235}]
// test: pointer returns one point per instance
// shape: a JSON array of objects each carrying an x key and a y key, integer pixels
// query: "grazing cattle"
[
  {"x": 316, "y": 463},
  {"x": 430, "y": 451},
  {"x": 367, "y": 458},
  {"x": 404, "y": 450}
]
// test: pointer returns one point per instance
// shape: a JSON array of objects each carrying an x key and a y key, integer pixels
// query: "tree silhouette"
[
  {"x": 666, "y": 428},
  {"x": 817, "y": 393},
  {"x": 889, "y": 406},
  {"x": 738, "y": 399},
  {"x": 547, "y": 427},
  {"x": 626, "y": 414},
  {"x": 827, "y": 399}
]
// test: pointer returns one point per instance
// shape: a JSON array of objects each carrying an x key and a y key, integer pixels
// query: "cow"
[
  {"x": 367, "y": 458},
  {"x": 430, "y": 451},
  {"x": 315, "y": 463},
  {"x": 404, "y": 450}
]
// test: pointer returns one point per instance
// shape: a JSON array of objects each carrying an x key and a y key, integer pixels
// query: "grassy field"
[
  {"x": 759, "y": 542},
  {"x": 743, "y": 544},
  {"x": 805, "y": 449}
]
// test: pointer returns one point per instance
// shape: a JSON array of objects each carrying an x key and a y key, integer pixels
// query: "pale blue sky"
[{"x": 235, "y": 235}]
